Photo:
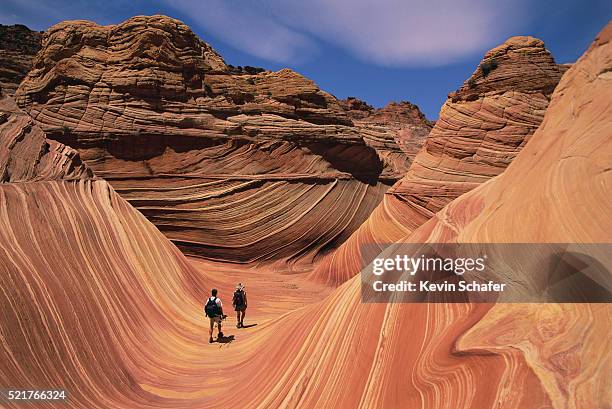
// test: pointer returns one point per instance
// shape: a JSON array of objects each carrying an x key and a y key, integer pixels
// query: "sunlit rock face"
[
  {"x": 397, "y": 131},
  {"x": 480, "y": 130},
  {"x": 18, "y": 46},
  {"x": 231, "y": 164},
  {"x": 87, "y": 284},
  {"x": 27, "y": 155},
  {"x": 481, "y": 355}
]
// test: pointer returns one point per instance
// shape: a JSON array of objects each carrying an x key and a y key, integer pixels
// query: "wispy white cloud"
[
  {"x": 403, "y": 32},
  {"x": 383, "y": 32},
  {"x": 248, "y": 27}
]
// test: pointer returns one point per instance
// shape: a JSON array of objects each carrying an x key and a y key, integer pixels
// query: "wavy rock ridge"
[
  {"x": 26, "y": 155},
  {"x": 230, "y": 164},
  {"x": 78, "y": 321},
  {"x": 480, "y": 130},
  {"x": 483, "y": 356}
]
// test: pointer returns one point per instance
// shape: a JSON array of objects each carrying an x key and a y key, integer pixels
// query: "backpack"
[
  {"x": 238, "y": 298},
  {"x": 211, "y": 308}
]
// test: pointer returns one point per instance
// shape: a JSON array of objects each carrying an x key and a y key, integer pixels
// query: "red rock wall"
[
  {"x": 26, "y": 155},
  {"x": 483, "y": 356},
  {"x": 397, "y": 131},
  {"x": 481, "y": 129},
  {"x": 231, "y": 165}
]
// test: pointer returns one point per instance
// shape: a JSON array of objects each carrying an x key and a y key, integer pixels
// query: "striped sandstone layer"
[
  {"x": 480, "y": 130},
  {"x": 26, "y": 154},
  {"x": 481, "y": 356},
  {"x": 556, "y": 191},
  {"x": 232, "y": 165}
]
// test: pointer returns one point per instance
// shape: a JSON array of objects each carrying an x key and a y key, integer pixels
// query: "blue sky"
[{"x": 378, "y": 50}]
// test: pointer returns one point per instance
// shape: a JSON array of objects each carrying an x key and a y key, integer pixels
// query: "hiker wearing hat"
[{"x": 240, "y": 304}]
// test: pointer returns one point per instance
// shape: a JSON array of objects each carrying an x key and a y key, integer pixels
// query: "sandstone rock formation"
[
  {"x": 396, "y": 125},
  {"x": 18, "y": 46},
  {"x": 481, "y": 128},
  {"x": 394, "y": 114},
  {"x": 556, "y": 190},
  {"x": 26, "y": 154},
  {"x": 231, "y": 164},
  {"x": 482, "y": 356},
  {"x": 117, "y": 319},
  {"x": 80, "y": 270}
]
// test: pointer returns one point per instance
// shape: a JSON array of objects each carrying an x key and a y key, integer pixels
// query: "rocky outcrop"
[
  {"x": 398, "y": 123},
  {"x": 230, "y": 163},
  {"x": 482, "y": 126},
  {"x": 26, "y": 155},
  {"x": 18, "y": 46},
  {"x": 480, "y": 130},
  {"x": 555, "y": 191},
  {"x": 394, "y": 114},
  {"x": 480, "y": 355}
]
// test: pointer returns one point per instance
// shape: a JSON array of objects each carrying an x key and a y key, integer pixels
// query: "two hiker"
[{"x": 214, "y": 309}]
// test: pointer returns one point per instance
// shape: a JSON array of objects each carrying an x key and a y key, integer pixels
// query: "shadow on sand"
[
  {"x": 225, "y": 340},
  {"x": 248, "y": 326}
]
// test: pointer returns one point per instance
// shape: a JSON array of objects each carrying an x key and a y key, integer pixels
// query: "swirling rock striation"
[
  {"x": 230, "y": 163},
  {"x": 18, "y": 46},
  {"x": 87, "y": 285},
  {"x": 483, "y": 356},
  {"x": 480, "y": 130},
  {"x": 26, "y": 155},
  {"x": 555, "y": 191}
]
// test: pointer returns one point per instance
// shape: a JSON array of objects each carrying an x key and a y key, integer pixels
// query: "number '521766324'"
[{"x": 32, "y": 394}]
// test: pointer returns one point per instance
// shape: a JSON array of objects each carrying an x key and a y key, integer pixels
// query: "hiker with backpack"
[
  {"x": 239, "y": 301},
  {"x": 214, "y": 311}
]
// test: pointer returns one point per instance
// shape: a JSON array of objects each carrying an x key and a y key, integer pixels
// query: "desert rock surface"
[
  {"x": 231, "y": 164},
  {"x": 483, "y": 355},
  {"x": 481, "y": 128},
  {"x": 96, "y": 300},
  {"x": 398, "y": 124},
  {"x": 27, "y": 155}
]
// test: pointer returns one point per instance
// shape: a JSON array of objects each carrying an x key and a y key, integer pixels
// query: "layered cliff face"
[
  {"x": 27, "y": 155},
  {"x": 481, "y": 128},
  {"x": 79, "y": 269},
  {"x": 231, "y": 164},
  {"x": 397, "y": 131},
  {"x": 394, "y": 114},
  {"x": 18, "y": 46}
]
